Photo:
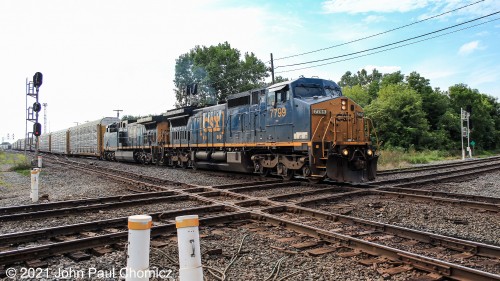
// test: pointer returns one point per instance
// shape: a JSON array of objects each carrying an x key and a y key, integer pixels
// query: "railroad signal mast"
[
  {"x": 32, "y": 111},
  {"x": 465, "y": 125}
]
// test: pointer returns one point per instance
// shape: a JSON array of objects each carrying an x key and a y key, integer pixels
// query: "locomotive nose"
[{"x": 343, "y": 135}]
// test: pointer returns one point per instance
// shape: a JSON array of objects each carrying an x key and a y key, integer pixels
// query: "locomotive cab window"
[
  {"x": 278, "y": 96},
  {"x": 308, "y": 90},
  {"x": 271, "y": 98},
  {"x": 283, "y": 95},
  {"x": 255, "y": 97}
]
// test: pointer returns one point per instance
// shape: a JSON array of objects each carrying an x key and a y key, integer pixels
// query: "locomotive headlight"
[
  {"x": 344, "y": 102},
  {"x": 369, "y": 152},
  {"x": 345, "y": 152},
  {"x": 343, "y": 107}
]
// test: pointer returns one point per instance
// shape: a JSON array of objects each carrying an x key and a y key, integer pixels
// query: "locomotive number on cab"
[{"x": 278, "y": 112}]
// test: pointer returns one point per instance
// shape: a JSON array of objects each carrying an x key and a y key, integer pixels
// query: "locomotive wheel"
[
  {"x": 264, "y": 172},
  {"x": 287, "y": 174}
]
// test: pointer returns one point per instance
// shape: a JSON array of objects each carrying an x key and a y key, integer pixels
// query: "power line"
[
  {"x": 385, "y": 50},
  {"x": 390, "y": 44},
  {"x": 384, "y": 32}
]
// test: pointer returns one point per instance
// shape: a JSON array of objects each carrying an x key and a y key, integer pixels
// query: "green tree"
[
  {"x": 392, "y": 78},
  {"x": 398, "y": 116},
  {"x": 218, "y": 71},
  {"x": 374, "y": 86},
  {"x": 348, "y": 80},
  {"x": 358, "y": 94},
  {"x": 434, "y": 103},
  {"x": 369, "y": 82},
  {"x": 279, "y": 79},
  {"x": 483, "y": 116}
]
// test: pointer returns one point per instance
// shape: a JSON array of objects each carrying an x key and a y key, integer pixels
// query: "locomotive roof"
[
  {"x": 280, "y": 85},
  {"x": 152, "y": 119}
]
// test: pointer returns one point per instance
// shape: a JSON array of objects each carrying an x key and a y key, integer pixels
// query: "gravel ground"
[
  {"x": 16, "y": 226},
  {"x": 445, "y": 219},
  {"x": 255, "y": 262},
  {"x": 483, "y": 185},
  {"x": 58, "y": 182},
  {"x": 258, "y": 258},
  {"x": 470, "y": 163},
  {"x": 190, "y": 176}
]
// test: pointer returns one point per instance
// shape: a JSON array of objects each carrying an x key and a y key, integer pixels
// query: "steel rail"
[
  {"x": 432, "y": 193},
  {"x": 58, "y": 248},
  {"x": 47, "y": 233},
  {"x": 447, "y": 269},
  {"x": 451, "y": 243},
  {"x": 438, "y": 176},
  {"x": 450, "y": 270},
  {"x": 79, "y": 202},
  {"x": 437, "y": 166},
  {"x": 78, "y": 209},
  {"x": 465, "y": 203}
]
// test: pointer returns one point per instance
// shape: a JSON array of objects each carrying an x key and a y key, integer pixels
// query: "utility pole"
[
  {"x": 272, "y": 67},
  {"x": 118, "y": 112}
]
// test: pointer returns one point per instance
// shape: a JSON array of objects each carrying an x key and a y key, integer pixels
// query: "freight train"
[{"x": 304, "y": 127}]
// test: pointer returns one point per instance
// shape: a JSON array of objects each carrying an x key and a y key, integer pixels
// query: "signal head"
[
  {"x": 37, "y": 79},
  {"x": 37, "y": 129},
  {"x": 37, "y": 107}
]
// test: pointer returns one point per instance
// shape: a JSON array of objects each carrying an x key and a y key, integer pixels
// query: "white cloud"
[
  {"x": 475, "y": 9},
  {"x": 382, "y": 68},
  {"x": 482, "y": 33},
  {"x": 363, "y": 6},
  {"x": 373, "y": 19},
  {"x": 468, "y": 48}
]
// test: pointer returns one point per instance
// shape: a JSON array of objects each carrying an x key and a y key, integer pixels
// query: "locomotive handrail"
[
  {"x": 317, "y": 126},
  {"x": 374, "y": 130},
  {"x": 324, "y": 136}
]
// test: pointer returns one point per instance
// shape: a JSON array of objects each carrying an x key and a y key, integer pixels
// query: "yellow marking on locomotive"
[{"x": 278, "y": 112}]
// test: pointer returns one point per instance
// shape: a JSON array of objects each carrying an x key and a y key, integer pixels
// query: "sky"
[{"x": 99, "y": 56}]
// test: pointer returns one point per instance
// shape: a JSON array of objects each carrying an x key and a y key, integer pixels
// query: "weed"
[{"x": 17, "y": 162}]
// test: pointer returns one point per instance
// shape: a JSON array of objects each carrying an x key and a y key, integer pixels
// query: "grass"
[
  {"x": 394, "y": 158},
  {"x": 18, "y": 162}
]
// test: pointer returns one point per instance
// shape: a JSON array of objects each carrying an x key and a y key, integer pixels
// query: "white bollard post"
[
  {"x": 34, "y": 184},
  {"x": 188, "y": 238},
  {"x": 39, "y": 161},
  {"x": 139, "y": 233}
]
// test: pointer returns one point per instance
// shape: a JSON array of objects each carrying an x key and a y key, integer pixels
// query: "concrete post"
[
  {"x": 188, "y": 238},
  {"x": 139, "y": 233},
  {"x": 39, "y": 161},
  {"x": 34, "y": 184}
]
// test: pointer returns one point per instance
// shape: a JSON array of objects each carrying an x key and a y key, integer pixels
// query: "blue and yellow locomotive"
[{"x": 303, "y": 127}]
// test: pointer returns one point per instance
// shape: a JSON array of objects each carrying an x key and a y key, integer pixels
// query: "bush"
[
  {"x": 18, "y": 163},
  {"x": 397, "y": 157}
]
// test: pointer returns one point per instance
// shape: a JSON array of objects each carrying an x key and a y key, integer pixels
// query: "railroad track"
[
  {"x": 471, "y": 170},
  {"x": 433, "y": 167},
  {"x": 251, "y": 202}
]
